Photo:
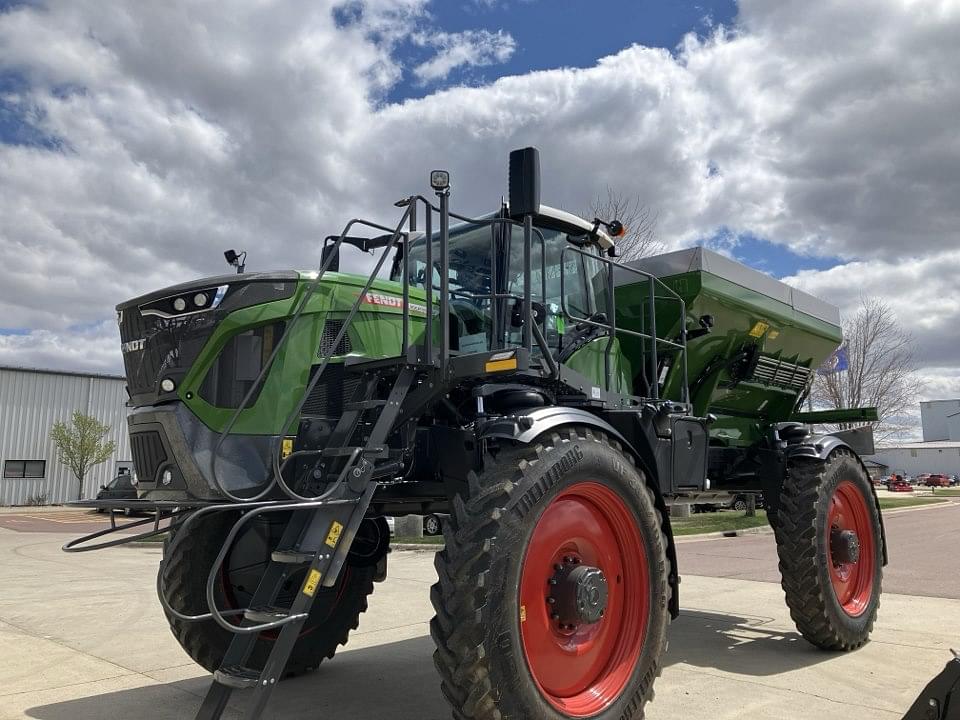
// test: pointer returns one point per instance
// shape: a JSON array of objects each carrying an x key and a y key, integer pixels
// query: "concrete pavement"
[
  {"x": 82, "y": 637},
  {"x": 923, "y": 544}
]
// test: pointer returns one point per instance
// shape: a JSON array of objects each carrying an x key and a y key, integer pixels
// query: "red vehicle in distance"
[
  {"x": 937, "y": 480},
  {"x": 896, "y": 483}
]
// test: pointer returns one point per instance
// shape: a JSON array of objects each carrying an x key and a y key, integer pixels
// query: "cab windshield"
[{"x": 484, "y": 256}]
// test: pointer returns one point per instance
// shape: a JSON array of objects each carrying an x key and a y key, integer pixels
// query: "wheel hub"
[
  {"x": 844, "y": 546},
  {"x": 578, "y": 594}
]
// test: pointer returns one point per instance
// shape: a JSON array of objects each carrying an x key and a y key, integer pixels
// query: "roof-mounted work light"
[{"x": 440, "y": 180}]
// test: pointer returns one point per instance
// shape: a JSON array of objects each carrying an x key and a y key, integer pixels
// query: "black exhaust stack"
[{"x": 524, "y": 182}]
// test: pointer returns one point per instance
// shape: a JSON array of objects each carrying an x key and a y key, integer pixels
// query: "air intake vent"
[
  {"x": 148, "y": 454},
  {"x": 327, "y": 398},
  {"x": 331, "y": 329},
  {"x": 786, "y": 374}
]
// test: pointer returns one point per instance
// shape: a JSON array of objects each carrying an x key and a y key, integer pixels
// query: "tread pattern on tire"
[
  {"x": 185, "y": 577},
  {"x": 797, "y": 547},
  {"x": 465, "y": 562}
]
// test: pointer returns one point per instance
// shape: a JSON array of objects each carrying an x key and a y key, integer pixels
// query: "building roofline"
[
  {"x": 72, "y": 373},
  {"x": 928, "y": 445}
]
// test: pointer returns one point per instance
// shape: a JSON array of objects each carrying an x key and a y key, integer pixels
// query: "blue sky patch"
[
  {"x": 550, "y": 34},
  {"x": 772, "y": 258}
]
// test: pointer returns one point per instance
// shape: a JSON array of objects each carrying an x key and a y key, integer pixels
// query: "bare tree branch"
[
  {"x": 881, "y": 372},
  {"x": 639, "y": 220}
]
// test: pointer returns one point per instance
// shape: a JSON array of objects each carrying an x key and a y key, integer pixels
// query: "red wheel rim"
[
  {"x": 582, "y": 671},
  {"x": 852, "y": 581}
]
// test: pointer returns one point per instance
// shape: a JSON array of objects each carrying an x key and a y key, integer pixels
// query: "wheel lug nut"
[
  {"x": 551, "y": 581},
  {"x": 558, "y": 567},
  {"x": 551, "y": 601},
  {"x": 554, "y": 616}
]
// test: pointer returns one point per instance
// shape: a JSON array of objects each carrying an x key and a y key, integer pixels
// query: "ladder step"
[
  {"x": 365, "y": 405},
  {"x": 338, "y": 451},
  {"x": 372, "y": 451},
  {"x": 292, "y": 557},
  {"x": 237, "y": 676},
  {"x": 362, "y": 364},
  {"x": 266, "y": 614}
]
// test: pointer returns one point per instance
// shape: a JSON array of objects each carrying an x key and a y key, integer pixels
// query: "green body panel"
[
  {"x": 746, "y": 408},
  {"x": 376, "y": 331},
  {"x": 589, "y": 362}
]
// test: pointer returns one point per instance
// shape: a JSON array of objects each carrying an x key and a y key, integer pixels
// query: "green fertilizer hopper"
[
  {"x": 508, "y": 374},
  {"x": 765, "y": 338}
]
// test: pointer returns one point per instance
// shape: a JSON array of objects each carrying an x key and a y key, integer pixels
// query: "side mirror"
[
  {"x": 524, "y": 182},
  {"x": 327, "y": 251},
  {"x": 103, "y": 487}
]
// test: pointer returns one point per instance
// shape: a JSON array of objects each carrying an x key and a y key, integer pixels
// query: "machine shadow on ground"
[{"x": 397, "y": 680}]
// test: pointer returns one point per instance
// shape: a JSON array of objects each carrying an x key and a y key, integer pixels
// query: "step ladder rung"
[
  {"x": 292, "y": 556},
  {"x": 372, "y": 451},
  {"x": 266, "y": 614},
  {"x": 237, "y": 676},
  {"x": 365, "y": 405}
]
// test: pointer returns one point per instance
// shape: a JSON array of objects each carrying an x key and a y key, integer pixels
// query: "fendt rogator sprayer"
[{"x": 511, "y": 374}]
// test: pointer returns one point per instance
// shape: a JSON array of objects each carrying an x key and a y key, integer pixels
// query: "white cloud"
[
  {"x": 187, "y": 128},
  {"x": 471, "y": 48}
]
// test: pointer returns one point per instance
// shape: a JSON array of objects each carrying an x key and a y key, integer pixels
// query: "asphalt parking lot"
[{"x": 88, "y": 640}]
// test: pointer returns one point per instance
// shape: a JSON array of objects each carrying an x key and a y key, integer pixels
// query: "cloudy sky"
[{"x": 816, "y": 140}]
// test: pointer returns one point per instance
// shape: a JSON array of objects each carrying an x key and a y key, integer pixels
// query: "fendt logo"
[
  {"x": 392, "y": 301},
  {"x": 133, "y": 345}
]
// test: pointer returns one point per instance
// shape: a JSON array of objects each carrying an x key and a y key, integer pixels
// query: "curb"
[{"x": 761, "y": 530}]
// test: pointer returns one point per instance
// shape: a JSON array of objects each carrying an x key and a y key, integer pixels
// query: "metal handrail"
[
  {"x": 300, "y": 307},
  {"x": 612, "y": 328}
]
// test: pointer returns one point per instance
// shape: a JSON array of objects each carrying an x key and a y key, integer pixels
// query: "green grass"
[
  {"x": 946, "y": 492},
  {"x": 891, "y": 503},
  {"x": 721, "y": 521}
]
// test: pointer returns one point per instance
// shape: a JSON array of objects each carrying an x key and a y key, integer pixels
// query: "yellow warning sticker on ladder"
[
  {"x": 333, "y": 537},
  {"x": 523, "y": 613},
  {"x": 312, "y": 583},
  {"x": 759, "y": 329},
  {"x": 286, "y": 448}
]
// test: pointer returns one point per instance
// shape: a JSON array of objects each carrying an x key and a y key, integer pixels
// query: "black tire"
[
  {"x": 335, "y": 611},
  {"x": 740, "y": 504},
  {"x": 481, "y": 657},
  {"x": 806, "y": 558},
  {"x": 432, "y": 525}
]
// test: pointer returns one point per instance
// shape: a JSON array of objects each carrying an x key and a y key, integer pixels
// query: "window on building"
[
  {"x": 913, "y": 453},
  {"x": 25, "y": 468}
]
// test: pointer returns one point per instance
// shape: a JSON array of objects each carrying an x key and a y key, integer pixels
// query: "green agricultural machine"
[{"x": 508, "y": 373}]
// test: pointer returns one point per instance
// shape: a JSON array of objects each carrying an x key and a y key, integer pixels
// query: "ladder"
[{"x": 317, "y": 537}]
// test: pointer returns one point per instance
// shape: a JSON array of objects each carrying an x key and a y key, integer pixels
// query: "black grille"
[
  {"x": 154, "y": 347},
  {"x": 148, "y": 454},
  {"x": 334, "y": 388},
  {"x": 332, "y": 328}
]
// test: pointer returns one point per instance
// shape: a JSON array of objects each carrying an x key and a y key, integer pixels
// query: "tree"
[
  {"x": 639, "y": 220},
  {"x": 81, "y": 445},
  {"x": 881, "y": 370}
]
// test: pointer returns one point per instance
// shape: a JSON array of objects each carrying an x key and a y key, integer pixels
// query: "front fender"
[{"x": 529, "y": 425}]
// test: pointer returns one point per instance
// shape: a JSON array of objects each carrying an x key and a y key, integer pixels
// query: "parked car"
[
  {"x": 120, "y": 488},
  {"x": 899, "y": 486},
  {"x": 738, "y": 502},
  {"x": 937, "y": 480}
]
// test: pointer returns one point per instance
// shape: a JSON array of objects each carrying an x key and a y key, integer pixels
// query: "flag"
[{"x": 837, "y": 361}]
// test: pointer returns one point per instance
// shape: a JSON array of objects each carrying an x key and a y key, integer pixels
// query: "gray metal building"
[{"x": 31, "y": 401}]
